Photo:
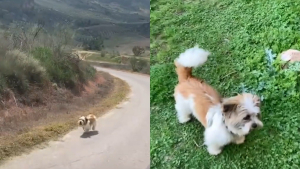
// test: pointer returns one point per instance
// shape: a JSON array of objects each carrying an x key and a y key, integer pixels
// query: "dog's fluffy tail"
[{"x": 189, "y": 59}]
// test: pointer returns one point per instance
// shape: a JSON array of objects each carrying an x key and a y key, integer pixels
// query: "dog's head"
[
  {"x": 242, "y": 113},
  {"x": 82, "y": 121}
]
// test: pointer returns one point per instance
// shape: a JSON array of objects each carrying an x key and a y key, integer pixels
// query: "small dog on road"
[
  {"x": 87, "y": 122},
  {"x": 226, "y": 120}
]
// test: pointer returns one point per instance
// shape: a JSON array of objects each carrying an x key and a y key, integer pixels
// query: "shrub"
[
  {"x": 93, "y": 44},
  {"x": 137, "y": 50},
  {"x": 18, "y": 70},
  {"x": 103, "y": 53},
  {"x": 138, "y": 65},
  {"x": 33, "y": 65},
  {"x": 116, "y": 59},
  {"x": 64, "y": 69},
  {"x": 2, "y": 83}
]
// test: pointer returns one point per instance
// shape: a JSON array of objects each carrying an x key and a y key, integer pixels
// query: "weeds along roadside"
[{"x": 34, "y": 57}]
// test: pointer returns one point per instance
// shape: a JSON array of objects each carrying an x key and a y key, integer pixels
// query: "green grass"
[{"x": 237, "y": 33}]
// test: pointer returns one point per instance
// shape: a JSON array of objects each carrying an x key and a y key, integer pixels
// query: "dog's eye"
[
  {"x": 258, "y": 115},
  {"x": 246, "y": 117}
]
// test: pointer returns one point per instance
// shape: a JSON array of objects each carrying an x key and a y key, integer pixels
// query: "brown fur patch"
[{"x": 204, "y": 95}]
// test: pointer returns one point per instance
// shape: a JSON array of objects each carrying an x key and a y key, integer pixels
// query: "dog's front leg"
[
  {"x": 213, "y": 142},
  {"x": 239, "y": 140},
  {"x": 86, "y": 128},
  {"x": 214, "y": 149}
]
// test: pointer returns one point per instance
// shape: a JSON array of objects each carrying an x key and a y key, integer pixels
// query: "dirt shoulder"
[
  {"x": 22, "y": 128},
  {"x": 120, "y": 67}
]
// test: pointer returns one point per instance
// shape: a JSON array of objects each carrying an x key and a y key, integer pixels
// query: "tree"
[
  {"x": 93, "y": 44},
  {"x": 137, "y": 50}
]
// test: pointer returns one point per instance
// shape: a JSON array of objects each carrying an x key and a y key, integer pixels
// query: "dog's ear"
[{"x": 229, "y": 107}]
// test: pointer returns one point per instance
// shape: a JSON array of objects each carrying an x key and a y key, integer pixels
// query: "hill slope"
[{"x": 109, "y": 17}]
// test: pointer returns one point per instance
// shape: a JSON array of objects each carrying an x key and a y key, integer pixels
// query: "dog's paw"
[
  {"x": 239, "y": 140},
  {"x": 214, "y": 150},
  {"x": 184, "y": 119}
]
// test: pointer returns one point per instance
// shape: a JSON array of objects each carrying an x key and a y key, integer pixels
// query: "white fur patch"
[
  {"x": 193, "y": 57},
  {"x": 216, "y": 135},
  {"x": 250, "y": 105},
  {"x": 211, "y": 112},
  {"x": 286, "y": 57},
  {"x": 183, "y": 108}
]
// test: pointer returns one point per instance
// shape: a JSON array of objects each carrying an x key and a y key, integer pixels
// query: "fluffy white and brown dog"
[
  {"x": 87, "y": 122},
  {"x": 226, "y": 120}
]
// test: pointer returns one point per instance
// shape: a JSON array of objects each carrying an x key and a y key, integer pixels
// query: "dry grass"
[
  {"x": 122, "y": 67},
  {"x": 16, "y": 144},
  {"x": 125, "y": 44},
  {"x": 106, "y": 58},
  {"x": 114, "y": 66},
  {"x": 109, "y": 65}
]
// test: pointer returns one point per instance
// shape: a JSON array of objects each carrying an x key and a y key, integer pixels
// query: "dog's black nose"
[{"x": 254, "y": 125}]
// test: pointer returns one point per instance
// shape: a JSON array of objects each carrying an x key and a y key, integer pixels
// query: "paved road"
[{"x": 122, "y": 142}]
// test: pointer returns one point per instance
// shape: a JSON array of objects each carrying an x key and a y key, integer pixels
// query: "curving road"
[{"x": 122, "y": 142}]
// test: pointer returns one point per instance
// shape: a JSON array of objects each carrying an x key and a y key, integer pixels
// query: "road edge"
[{"x": 55, "y": 131}]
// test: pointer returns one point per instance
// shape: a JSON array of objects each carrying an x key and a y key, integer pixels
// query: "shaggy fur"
[
  {"x": 225, "y": 120},
  {"x": 87, "y": 122}
]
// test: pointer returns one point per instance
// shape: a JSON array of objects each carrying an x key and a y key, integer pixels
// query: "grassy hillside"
[
  {"x": 115, "y": 11},
  {"x": 28, "y": 61},
  {"x": 52, "y": 25},
  {"x": 105, "y": 19},
  {"x": 245, "y": 38}
]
